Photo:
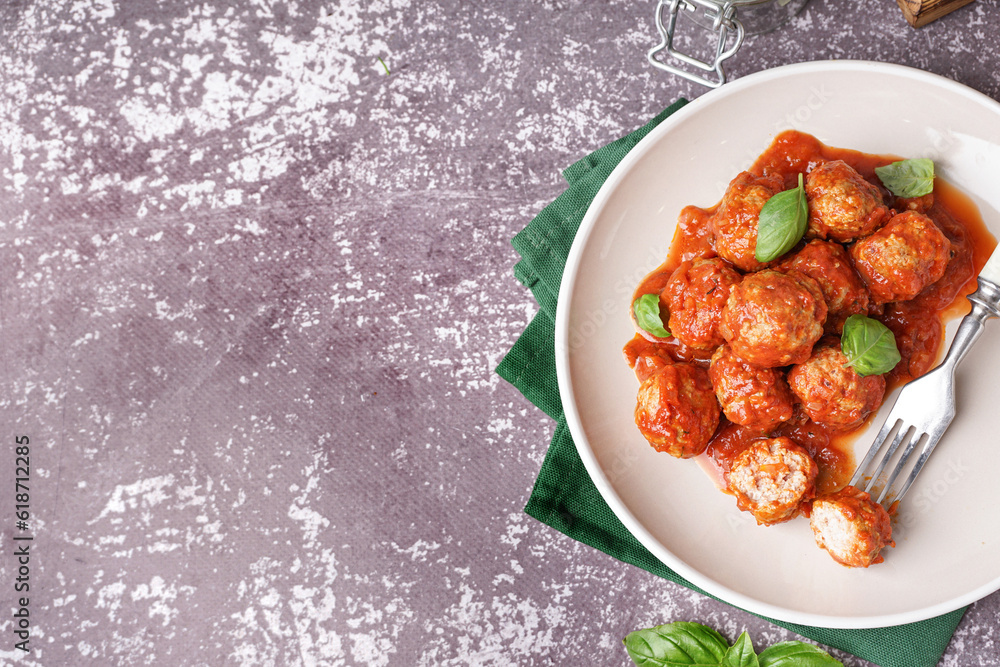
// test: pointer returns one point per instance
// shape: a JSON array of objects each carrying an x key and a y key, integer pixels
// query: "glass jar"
[{"x": 730, "y": 20}]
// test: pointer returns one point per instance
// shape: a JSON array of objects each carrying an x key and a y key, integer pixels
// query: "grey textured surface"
[{"x": 256, "y": 277}]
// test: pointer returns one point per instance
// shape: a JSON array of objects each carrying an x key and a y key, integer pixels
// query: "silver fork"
[{"x": 926, "y": 406}]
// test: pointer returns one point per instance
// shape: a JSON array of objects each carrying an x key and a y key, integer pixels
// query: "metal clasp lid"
[{"x": 724, "y": 22}]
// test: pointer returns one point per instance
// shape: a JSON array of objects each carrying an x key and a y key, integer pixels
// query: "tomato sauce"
[{"x": 918, "y": 324}]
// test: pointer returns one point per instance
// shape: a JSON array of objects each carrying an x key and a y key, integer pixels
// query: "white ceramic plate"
[{"x": 948, "y": 530}]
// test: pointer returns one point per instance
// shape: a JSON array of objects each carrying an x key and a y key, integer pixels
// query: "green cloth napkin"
[{"x": 564, "y": 497}]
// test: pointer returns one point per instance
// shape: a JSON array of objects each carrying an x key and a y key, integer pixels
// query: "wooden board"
[{"x": 921, "y": 12}]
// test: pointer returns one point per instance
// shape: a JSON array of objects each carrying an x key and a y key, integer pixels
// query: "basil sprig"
[
  {"x": 685, "y": 643},
  {"x": 647, "y": 315},
  {"x": 869, "y": 346},
  {"x": 741, "y": 654},
  {"x": 796, "y": 654},
  {"x": 908, "y": 178},
  {"x": 783, "y": 221}
]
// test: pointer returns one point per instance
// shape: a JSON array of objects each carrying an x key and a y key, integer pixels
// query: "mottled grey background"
[{"x": 253, "y": 287}]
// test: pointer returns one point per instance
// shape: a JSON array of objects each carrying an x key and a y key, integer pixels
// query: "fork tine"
[
  {"x": 903, "y": 460},
  {"x": 902, "y": 436},
  {"x": 880, "y": 439},
  {"x": 925, "y": 454}
]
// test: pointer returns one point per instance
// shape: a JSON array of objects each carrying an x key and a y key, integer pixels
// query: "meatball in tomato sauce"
[
  {"x": 676, "y": 410},
  {"x": 774, "y": 318},
  {"x": 735, "y": 221},
  {"x": 830, "y": 266},
  {"x": 851, "y": 526},
  {"x": 757, "y": 398},
  {"x": 771, "y": 479},
  {"x": 843, "y": 206},
  {"x": 833, "y": 393},
  {"x": 695, "y": 294},
  {"x": 902, "y": 258}
]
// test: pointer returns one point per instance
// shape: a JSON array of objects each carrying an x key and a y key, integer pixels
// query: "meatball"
[
  {"x": 829, "y": 265},
  {"x": 832, "y": 393},
  {"x": 842, "y": 205},
  {"x": 676, "y": 410},
  {"x": 851, "y": 527},
  {"x": 757, "y": 398},
  {"x": 735, "y": 222},
  {"x": 902, "y": 258},
  {"x": 774, "y": 318},
  {"x": 771, "y": 478},
  {"x": 695, "y": 295}
]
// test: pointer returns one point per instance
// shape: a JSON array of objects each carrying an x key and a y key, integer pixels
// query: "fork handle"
[{"x": 985, "y": 304}]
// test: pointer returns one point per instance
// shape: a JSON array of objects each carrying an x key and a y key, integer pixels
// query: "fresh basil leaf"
[
  {"x": 647, "y": 314},
  {"x": 796, "y": 654},
  {"x": 869, "y": 346},
  {"x": 783, "y": 221},
  {"x": 908, "y": 178},
  {"x": 741, "y": 654},
  {"x": 676, "y": 644}
]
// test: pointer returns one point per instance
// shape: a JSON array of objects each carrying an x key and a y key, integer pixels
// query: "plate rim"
[{"x": 563, "y": 347}]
